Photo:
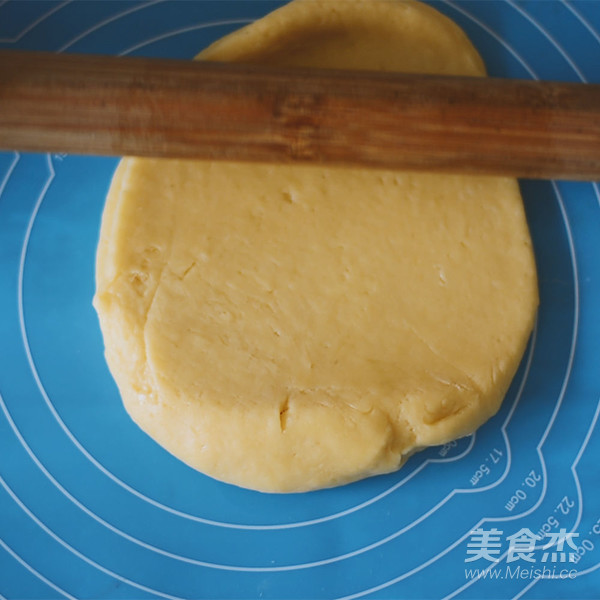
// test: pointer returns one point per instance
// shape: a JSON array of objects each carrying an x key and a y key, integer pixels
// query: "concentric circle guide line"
[
  {"x": 524, "y": 590},
  {"x": 596, "y": 36},
  {"x": 576, "y": 287},
  {"x": 33, "y": 24},
  {"x": 107, "y": 21},
  {"x": 556, "y": 407},
  {"x": 550, "y": 38},
  {"x": 575, "y": 272},
  {"x": 494, "y": 35},
  {"x": 582, "y": 20},
  {"x": 76, "y": 552},
  {"x": 11, "y": 168},
  {"x": 37, "y": 574},
  {"x": 573, "y": 469},
  {"x": 588, "y": 570},
  {"x": 188, "y": 29},
  {"x": 576, "y": 463},
  {"x": 562, "y": 51},
  {"x": 580, "y": 507}
]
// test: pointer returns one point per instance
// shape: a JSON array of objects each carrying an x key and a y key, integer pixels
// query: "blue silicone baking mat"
[{"x": 90, "y": 507}]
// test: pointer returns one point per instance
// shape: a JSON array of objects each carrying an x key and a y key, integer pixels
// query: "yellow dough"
[{"x": 291, "y": 328}]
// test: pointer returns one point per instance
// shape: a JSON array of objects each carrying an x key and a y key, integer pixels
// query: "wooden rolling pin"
[{"x": 241, "y": 112}]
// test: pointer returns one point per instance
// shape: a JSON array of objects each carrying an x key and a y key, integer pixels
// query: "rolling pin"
[{"x": 91, "y": 104}]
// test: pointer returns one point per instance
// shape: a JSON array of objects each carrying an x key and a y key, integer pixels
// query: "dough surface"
[{"x": 291, "y": 328}]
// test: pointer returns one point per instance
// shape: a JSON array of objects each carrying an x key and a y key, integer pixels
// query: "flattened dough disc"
[{"x": 290, "y": 328}]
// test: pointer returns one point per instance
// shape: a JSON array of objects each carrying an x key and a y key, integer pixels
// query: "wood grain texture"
[{"x": 149, "y": 107}]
